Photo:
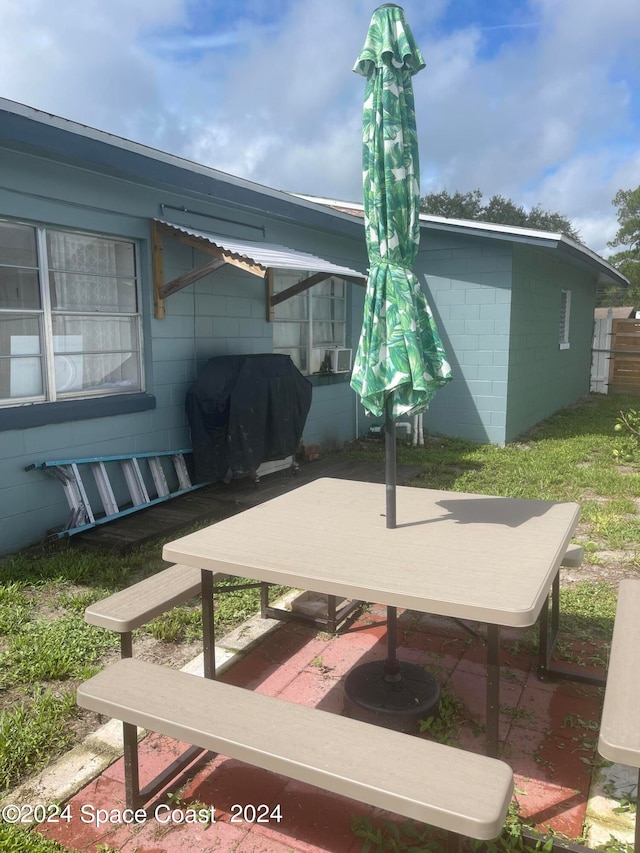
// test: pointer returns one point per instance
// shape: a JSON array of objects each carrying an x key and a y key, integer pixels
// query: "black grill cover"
[{"x": 244, "y": 410}]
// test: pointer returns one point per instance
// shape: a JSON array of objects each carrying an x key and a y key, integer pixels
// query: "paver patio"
[{"x": 546, "y": 732}]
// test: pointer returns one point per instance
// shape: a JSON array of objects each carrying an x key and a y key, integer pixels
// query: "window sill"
[
  {"x": 42, "y": 414},
  {"x": 565, "y": 346}
]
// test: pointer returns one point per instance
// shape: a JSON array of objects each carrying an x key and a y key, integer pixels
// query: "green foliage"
[
  {"x": 409, "y": 837},
  {"x": 404, "y": 838},
  {"x": 452, "y": 714},
  {"x": 628, "y": 204},
  {"x": 180, "y": 625},
  {"x": 502, "y": 211},
  {"x": 457, "y": 206},
  {"x": 19, "y": 839},
  {"x": 53, "y": 650},
  {"x": 627, "y": 261},
  {"x": 627, "y": 447},
  {"x": 16, "y": 608},
  {"x": 615, "y": 845},
  {"x": 30, "y": 732}
]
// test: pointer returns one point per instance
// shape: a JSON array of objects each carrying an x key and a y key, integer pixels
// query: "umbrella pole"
[
  {"x": 391, "y": 666},
  {"x": 390, "y": 460}
]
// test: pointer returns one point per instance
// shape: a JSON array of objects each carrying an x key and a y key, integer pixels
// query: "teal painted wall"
[
  {"x": 495, "y": 303},
  {"x": 542, "y": 377},
  {"x": 221, "y": 314},
  {"x": 468, "y": 285}
]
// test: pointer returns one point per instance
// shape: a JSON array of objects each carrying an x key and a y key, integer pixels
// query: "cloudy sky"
[{"x": 538, "y": 100}]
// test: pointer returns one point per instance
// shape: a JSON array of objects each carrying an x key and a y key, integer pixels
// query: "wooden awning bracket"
[{"x": 219, "y": 257}]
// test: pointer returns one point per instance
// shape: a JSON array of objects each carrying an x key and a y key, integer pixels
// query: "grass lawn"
[{"x": 46, "y": 648}]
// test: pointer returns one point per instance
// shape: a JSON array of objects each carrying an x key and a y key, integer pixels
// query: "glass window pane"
[
  {"x": 328, "y": 334},
  {"x": 298, "y": 356},
  {"x": 20, "y": 361},
  {"x": 91, "y": 273},
  {"x": 19, "y": 334},
  {"x": 95, "y": 353},
  {"x": 94, "y": 334},
  {"x": 19, "y": 289},
  {"x": 84, "y": 253},
  {"x": 20, "y": 378},
  {"x": 329, "y": 287},
  {"x": 77, "y": 292},
  {"x": 295, "y": 308},
  {"x": 105, "y": 372},
  {"x": 323, "y": 309},
  {"x": 18, "y": 245},
  {"x": 289, "y": 335}
]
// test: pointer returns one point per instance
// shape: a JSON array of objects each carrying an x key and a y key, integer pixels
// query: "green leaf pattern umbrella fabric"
[{"x": 400, "y": 350}]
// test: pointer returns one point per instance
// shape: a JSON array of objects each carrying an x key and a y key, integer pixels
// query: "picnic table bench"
[
  {"x": 619, "y": 738},
  {"x": 461, "y": 792}
]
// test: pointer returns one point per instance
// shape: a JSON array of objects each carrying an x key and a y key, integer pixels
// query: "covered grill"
[{"x": 245, "y": 410}]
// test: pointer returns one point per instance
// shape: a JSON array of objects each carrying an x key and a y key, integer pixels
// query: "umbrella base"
[{"x": 395, "y": 705}]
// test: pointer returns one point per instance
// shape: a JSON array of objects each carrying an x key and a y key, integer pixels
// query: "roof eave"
[{"x": 24, "y": 128}]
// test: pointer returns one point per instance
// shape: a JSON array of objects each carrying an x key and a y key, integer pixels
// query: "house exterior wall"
[
  {"x": 468, "y": 285},
  {"x": 221, "y": 314},
  {"x": 543, "y": 377},
  {"x": 495, "y": 301}
]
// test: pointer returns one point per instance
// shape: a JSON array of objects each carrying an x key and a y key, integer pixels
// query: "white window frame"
[
  {"x": 288, "y": 279},
  {"x": 45, "y": 317},
  {"x": 565, "y": 319}
]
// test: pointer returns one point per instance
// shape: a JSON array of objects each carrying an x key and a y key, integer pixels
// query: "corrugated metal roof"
[{"x": 267, "y": 255}]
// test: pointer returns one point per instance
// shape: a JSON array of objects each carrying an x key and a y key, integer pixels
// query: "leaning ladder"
[{"x": 70, "y": 472}]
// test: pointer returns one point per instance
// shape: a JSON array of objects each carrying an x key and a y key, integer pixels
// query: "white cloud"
[{"x": 541, "y": 107}]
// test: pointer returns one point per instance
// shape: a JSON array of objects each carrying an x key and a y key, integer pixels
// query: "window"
[
  {"x": 309, "y": 323},
  {"x": 69, "y": 318},
  {"x": 565, "y": 315}
]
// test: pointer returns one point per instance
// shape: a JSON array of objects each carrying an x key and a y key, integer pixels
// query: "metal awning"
[{"x": 256, "y": 258}]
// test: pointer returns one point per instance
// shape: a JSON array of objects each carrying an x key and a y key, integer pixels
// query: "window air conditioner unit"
[
  {"x": 341, "y": 360},
  {"x": 331, "y": 360}
]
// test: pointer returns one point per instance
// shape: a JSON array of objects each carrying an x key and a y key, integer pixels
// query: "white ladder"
[{"x": 158, "y": 485}]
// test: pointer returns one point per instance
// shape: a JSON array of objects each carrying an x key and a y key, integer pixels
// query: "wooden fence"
[{"x": 615, "y": 367}]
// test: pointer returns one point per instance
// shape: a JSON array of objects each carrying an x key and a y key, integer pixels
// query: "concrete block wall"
[
  {"x": 221, "y": 314},
  {"x": 542, "y": 377},
  {"x": 468, "y": 285}
]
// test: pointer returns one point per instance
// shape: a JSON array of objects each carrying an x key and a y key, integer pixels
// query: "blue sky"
[{"x": 538, "y": 100}]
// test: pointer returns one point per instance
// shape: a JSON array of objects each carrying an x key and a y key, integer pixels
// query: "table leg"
[
  {"x": 493, "y": 689},
  {"x": 547, "y": 643},
  {"x": 637, "y": 831},
  {"x": 208, "y": 628}
]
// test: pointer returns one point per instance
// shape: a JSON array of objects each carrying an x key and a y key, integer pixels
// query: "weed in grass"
[
  {"x": 180, "y": 625},
  {"x": 411, "y": 838},
  {"x": 32, "y": 731},
  {"x": 77, "y": 602},
  {"x": 16, "y": 608},
  {"x": 20, "y": 839},
  {"x": 53, "y": 650},
  {"x": 588, "y": 610},
  {"x": 517, "y": 714},
  {"x": 615, "y": 845},
  {"x": 445, "y": 725}
]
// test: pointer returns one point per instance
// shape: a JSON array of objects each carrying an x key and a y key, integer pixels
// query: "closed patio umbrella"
[{"x": 400, "y": 362}]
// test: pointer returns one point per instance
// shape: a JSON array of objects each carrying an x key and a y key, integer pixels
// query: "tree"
[
  {"x": 628, "y": 260},
  {"x": 500, "y": 210},
  {"x": 456, "y": 206}
]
